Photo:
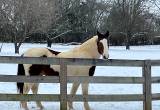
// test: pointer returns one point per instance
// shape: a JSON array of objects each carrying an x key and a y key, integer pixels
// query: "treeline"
[{"x": 131, "y": 22}]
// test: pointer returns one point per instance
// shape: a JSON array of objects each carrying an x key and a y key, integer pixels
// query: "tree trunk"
[
  {"x": 49, "y": 42},
  {"x": 127, "y": 46},
  {"x": 128, "y": 40},
  {"x": 1, "y": 47},
  {"x": 16, "y": 48}
]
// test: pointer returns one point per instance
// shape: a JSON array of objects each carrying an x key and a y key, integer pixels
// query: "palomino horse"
[{"x": 93, "y": 48}]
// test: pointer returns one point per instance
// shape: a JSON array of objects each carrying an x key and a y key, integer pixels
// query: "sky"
[{"x": 154, "y": 6}]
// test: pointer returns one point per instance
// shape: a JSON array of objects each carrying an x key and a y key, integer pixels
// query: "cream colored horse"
[{"x": 93, "y": 48}]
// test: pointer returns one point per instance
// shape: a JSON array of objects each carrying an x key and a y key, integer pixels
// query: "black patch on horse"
[
  {"x": 38, "y": 69},
  {"x": 54, "y": 52},
  {"x": 20, "y": 71},
  {"x": 92, "y": 70},
  {"x": 46, "y": 70}
]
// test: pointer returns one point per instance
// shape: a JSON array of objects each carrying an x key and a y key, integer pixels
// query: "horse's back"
[
  {"x": 75, "y": 53},
  {"x": 38, "y": 52}
]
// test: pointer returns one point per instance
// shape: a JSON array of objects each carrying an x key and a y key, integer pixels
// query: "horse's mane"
[
  {"x": 91, "y": 40},
  {"x": 89, "y": 43}
]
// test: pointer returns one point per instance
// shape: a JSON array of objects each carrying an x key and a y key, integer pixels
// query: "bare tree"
[
  {"x": 124, "y": 17},
  {"x": 19, "y": 19},
  {"x": 26, "y": 17},
  {"x": 36, "y": 16}
]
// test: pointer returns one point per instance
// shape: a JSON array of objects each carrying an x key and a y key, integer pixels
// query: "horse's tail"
[{"x": 20, "y": 72}]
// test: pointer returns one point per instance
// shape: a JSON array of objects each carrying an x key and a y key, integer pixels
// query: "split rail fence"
[{"x": 146, "y": 80}]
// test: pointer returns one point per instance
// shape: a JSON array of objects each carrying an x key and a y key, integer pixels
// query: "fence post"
[
  {"x": 147, "y": 90},
  {"x": 63, "y": 85}
]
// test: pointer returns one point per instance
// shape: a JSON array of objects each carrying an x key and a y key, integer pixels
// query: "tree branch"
[{"x": 61, "y": 34}]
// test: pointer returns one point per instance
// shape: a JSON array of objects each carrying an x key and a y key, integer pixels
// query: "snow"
[{"x": 136, "y": 52}]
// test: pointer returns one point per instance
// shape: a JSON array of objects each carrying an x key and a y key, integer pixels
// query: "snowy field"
[{"x": 136, "y": 52}]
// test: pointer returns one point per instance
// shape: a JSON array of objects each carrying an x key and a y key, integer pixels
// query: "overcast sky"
[{"x": 155, "y": 6}]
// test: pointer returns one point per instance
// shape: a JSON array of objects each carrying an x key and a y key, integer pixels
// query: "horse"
[{"x": 93, "y": 48}]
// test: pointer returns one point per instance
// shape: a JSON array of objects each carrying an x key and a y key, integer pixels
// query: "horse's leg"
[
  {"x": 73, "y": 92},
  {"x": 35, "y": 91},
  {"x": 26, "y": 89},
  {"x": 85, "y": 95}
]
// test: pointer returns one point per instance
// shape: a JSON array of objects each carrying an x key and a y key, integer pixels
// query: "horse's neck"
[
  {"x": 87, "y": 50},
  {"x": 90, "y": 47}
]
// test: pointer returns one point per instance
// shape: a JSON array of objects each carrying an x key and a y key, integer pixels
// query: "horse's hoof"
[
  {"x": 24, "y": 108},
  {"x": 40, "y": 108},
  {"x": 71, "y": 109},
  {"x": 87, "y": 109}
]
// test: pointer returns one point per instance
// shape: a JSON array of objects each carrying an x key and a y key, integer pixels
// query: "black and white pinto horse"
[{"x": 93, "y": 48}]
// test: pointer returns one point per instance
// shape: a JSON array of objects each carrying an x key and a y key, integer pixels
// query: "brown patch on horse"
[
  {"x": 101, "y": 37},
  {"x": 38, "y": 69},
  {"x": 100, "y": 47},
  {"x": 54, "y": 52}
]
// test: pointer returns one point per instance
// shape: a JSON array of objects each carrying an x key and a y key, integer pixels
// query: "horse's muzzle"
[{"x": 104, "y": 57}]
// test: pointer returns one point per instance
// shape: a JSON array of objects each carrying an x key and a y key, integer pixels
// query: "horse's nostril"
[{"x": 104, "y": 57}]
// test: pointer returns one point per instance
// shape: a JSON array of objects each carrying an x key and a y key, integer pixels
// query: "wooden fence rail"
[{"x": 146, "y": 80}]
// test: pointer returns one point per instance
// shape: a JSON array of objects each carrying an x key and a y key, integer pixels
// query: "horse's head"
[{"x": 102, "y": 44}]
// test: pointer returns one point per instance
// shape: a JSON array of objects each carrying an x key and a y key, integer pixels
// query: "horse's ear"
[
  {"x": 98, "y": 33},
  {"x": 106, "y": 34},
  {"x": 100, "y": 36}
]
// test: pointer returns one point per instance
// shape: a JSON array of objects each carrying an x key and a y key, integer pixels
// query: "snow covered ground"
[{"x": 136, "y": 52}]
